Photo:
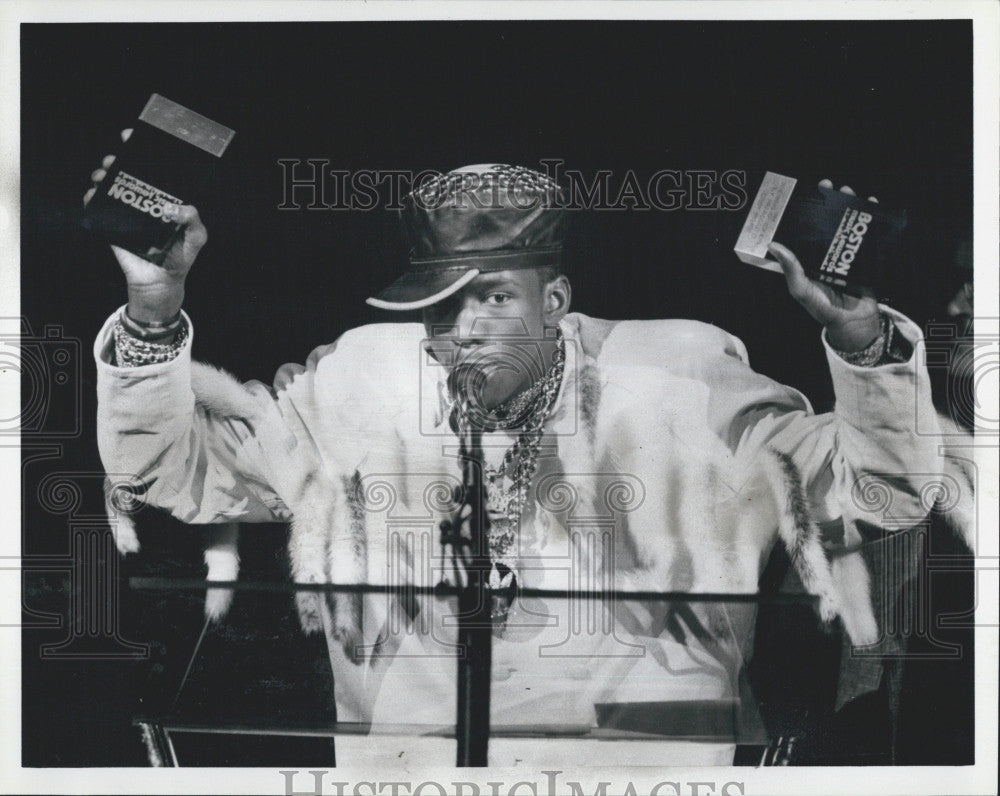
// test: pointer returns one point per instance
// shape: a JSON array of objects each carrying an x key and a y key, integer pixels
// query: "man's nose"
[{"x": 460, "y": 326}]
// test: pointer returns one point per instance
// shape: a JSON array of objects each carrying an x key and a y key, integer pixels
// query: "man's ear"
[{"x": 558, "y": 294}]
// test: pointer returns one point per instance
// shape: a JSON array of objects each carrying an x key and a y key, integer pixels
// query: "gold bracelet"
[
  {"x": 874, "y": 353},
  {"x": 134, "y": 352}
]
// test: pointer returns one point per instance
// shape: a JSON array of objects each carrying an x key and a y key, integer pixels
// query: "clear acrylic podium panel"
[{"x": 648, "y": 679}]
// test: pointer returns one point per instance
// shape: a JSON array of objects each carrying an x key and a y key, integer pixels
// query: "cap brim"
[{"x": 415, "y": 290}]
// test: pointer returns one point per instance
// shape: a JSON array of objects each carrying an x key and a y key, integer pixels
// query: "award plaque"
[
  {"x": 849, "y": 243},
  {"x": 167, "y": 159}
]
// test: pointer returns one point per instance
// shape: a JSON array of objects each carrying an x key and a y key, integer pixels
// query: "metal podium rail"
[{"x": 163, "y": 716}]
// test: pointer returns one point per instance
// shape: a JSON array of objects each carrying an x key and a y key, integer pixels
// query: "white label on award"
[
  {"x": 185, "y": 124},
  {"x": 763, "y": 219}
]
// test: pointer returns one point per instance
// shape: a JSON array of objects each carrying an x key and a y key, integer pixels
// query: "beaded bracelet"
[
  {"x": 133, "y": 352},
  {"x": 879, "y": 351}
]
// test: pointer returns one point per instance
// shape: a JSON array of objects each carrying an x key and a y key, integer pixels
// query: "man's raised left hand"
[{"x": 851, "y": 322}]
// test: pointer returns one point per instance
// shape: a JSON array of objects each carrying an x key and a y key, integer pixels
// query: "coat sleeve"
[
  {"x": 875, "y": 457},
  {"x": 199, "y": 465},
  {"x": 874, "y": 461}
]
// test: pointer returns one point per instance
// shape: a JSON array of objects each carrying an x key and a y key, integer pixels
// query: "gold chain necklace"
[{"x": 507, "y": 485}]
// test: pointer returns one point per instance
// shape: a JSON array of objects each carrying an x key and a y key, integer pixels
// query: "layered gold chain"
[{"x": 507, "y": 485}]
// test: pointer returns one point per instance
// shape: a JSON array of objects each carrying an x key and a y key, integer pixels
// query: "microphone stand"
[{"x": 468, "y": 533}]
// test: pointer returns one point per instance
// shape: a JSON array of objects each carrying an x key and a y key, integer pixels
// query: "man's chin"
[{"x": 485, "y": 385}]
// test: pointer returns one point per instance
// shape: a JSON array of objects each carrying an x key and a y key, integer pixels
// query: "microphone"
[
  {"x": 468, "y": 533},
  {"x": 466, "y": 384}
]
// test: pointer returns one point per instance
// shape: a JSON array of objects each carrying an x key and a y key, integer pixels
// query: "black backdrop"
[{"x": 883, "y": 106}]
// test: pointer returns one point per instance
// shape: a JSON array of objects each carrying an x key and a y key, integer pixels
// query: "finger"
[
  {"x": 108, "y": 160},
  {"x": 125, "y": 258},
  {"x": 88, "y": 196},
  {"x": 848, "y": 190},
  {"x": 873, "y": 199},
  {"x": 799, "y": 284},
  {"x": 961, "y": 302},
  {"x": 187, "y": 216},
  {"x": 826, "y": 183},
  {"x": 97, "y": 175},
  {"x": 127, "y": 133}
]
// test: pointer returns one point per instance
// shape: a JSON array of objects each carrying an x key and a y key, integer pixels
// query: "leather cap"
[{"x": 475, "y": 219}]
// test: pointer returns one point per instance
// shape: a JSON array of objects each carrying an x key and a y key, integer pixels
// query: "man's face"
[{"x": 495, "y": 326}]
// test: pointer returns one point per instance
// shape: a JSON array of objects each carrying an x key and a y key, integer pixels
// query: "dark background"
[{"x": 883, "y": 106}]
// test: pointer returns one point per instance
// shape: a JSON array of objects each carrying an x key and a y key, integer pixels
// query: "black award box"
[
  {"x": 168, "y": 159},
  {"x": 844, "y": 241}
]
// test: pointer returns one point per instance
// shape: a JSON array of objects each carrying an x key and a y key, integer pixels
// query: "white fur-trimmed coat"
[{"x": 668, "y": 464}]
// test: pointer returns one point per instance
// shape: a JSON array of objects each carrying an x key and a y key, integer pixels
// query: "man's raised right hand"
[{"x": 156, "y": 292}]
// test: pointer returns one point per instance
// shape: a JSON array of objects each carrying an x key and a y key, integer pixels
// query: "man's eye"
[{"x": 497, "y": 298}]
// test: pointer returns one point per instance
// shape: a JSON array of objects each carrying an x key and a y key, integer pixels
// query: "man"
[{"x": 618, "y": 456}]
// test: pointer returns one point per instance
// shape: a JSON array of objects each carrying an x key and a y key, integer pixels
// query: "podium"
[{"x": 601, "y": 692}]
